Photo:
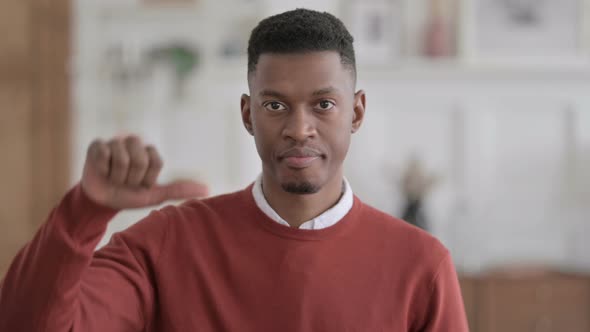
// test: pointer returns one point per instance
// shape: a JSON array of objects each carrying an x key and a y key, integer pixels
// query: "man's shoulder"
[
  {"x": 402, "y": 235},
  {"x": 214, "y": 207},
  {"x": 392, "y": 225}
]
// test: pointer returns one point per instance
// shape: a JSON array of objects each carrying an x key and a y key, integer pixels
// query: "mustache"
[{"x": 305, "y": 151}]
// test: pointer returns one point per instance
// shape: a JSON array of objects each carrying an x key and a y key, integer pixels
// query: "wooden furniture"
[
  {"x": 34, "y": 117},
  {"x": 527, "y": 302},
  {"x": 468, "y": 290}
]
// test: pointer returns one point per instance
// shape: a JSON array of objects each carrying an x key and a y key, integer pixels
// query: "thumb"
[{"x": 181, "y": 189}]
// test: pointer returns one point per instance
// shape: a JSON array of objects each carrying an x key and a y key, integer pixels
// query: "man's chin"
[{"x": 300, "y": 187}]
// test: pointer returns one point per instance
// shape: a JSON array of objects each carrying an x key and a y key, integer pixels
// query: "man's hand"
[{"x": 122, "y": 174}]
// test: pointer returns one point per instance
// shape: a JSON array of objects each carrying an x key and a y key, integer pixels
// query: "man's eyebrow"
[
  {"x": 325, "y": 91},
  {"x": 271, "y": 93},
  {"x": 276, "y": 94}
]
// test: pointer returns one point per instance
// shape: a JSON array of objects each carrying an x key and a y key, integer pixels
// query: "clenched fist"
[{"x": 122, "y": 174}]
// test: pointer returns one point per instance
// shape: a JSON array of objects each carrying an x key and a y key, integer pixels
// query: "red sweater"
[{"x": 221, "y": 264}]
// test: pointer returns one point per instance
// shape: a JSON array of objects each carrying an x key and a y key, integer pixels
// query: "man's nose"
[{"x": 300, "y": 125}]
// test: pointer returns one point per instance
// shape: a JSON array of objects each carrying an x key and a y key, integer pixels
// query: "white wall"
[
  {"x": 512, "y": 146},
  {"x": 513, "y": 154}
]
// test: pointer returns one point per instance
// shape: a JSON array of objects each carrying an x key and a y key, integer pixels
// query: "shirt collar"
[{"x": 326, "y": 219}]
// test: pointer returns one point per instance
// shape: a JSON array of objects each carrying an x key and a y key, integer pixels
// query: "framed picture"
[
  {"x": 376, "y": 26},
  {"x": 233, "y": 45},
  {"x": 169, "y": 2},
  {"x": 525, "y": 32}
]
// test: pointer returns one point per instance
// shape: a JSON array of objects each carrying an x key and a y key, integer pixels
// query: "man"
[{"x": 295, "y": 251}]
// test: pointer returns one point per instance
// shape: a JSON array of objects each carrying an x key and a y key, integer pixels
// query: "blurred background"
[{"x": 477, "y": 126}]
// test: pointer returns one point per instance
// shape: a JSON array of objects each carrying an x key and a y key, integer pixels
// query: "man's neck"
[{"x": 296, "y": 209}]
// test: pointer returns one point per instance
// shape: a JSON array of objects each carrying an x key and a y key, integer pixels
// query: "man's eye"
[
  {"x": 274, "y": 106},
  {"x": 325, "y": 105}
]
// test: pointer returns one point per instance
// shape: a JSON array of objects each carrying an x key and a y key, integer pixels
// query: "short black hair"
[{"x": 299, "y": 31}]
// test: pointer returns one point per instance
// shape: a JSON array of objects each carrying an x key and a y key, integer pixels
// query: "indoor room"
[{"x": 476, "y": 129}]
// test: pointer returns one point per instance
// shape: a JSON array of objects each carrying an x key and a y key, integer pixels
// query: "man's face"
[{"x": 301, "y": 112}]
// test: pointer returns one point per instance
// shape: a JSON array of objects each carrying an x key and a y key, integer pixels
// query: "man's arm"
[
  {"x": 57, "y": 282},
  {"x": 54, "y": 284},
  {"x": 446, "y": 311}
]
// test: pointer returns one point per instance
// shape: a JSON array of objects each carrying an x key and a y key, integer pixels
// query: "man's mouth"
[
  {"x": 300, "y": 162},
  {"x": 300, "y": 157}
]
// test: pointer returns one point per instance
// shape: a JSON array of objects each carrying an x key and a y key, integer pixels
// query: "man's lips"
[
  {"x": 300, "y": 162},
  {"x": 300, "y": 157}
]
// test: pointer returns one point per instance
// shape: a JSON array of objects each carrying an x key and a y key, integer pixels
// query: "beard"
[{"x": 300, "y": 188}]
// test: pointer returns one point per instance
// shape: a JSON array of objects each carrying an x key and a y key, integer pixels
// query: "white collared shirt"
[{"x": 328, "y": 218}]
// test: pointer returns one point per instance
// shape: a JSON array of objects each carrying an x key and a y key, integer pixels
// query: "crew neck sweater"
[{"x": 221, "y": 264}]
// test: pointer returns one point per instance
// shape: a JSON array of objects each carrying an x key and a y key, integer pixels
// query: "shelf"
[
  {"x": 155, "y": 13},
  {"x": 427, "y": 70}
]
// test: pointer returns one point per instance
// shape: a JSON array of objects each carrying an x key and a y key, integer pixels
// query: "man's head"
[
  {"x": 302, "y": 106},
  {"x": 299, "y": 31}
]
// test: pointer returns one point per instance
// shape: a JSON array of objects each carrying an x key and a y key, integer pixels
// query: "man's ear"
[
  {"x": 358, "y": 110},
  {"x": 246, "y": 113}
]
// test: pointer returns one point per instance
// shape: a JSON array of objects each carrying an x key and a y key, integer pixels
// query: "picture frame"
[
  {"x": 169, "y": 2},
  {"x": 377, "y": 28},
  {"x": 525, "y": 33}
]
